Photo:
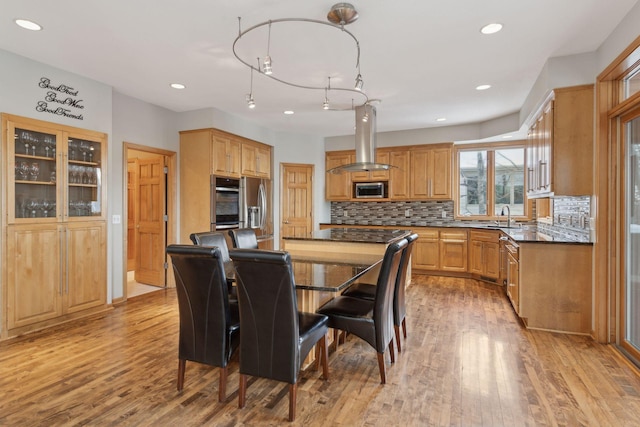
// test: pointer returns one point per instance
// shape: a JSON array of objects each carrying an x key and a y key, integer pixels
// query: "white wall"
[{"x": 136, "y": 122}]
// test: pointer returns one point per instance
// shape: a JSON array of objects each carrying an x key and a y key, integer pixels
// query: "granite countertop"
[
  {"x": 354, "y": 235},
  {"x": 526, "y": 234}
]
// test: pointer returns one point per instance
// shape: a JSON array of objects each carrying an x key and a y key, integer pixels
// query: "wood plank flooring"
[{"x": 467, "y": 362}]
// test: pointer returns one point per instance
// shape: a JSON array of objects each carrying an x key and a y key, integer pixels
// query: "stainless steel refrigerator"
[{"x": 255, "y": 206}]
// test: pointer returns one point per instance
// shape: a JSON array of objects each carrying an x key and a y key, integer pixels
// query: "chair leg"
[
  {"x": 397, "y": 328},
  {"x": 293, "y": 389},
  {"x": 222, "y": 386},
  {"x": 242, "y": 391},
  {"x": 392, "y": 351},
  {"x": 181, "y": 367},
  {"x": 383, "y": 375},
  {"x": 404, "y": 327},
  {"x": 325, "y": 357}
]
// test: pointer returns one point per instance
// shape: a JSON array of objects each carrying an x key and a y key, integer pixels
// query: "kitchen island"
[{"x": 348, "y": 245}]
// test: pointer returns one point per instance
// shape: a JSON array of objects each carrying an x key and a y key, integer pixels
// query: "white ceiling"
[{"x": 422, "y": 59}]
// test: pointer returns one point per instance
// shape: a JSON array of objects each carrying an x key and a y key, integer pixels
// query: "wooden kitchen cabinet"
[
  {"x": 560, "y": 144},
  {"x": 55, "y": 227},
  {"x": 206, "y": 152},
  {"x": 431, "y": 173},
  {"x": 338, "y": 186},
  {"x": 256, "y": 160},
  {"x": 382, "y": 156},
  {"x": 484, "y": 254},
  {"x": 554, "y": 286},
  {"x": 426, "y": 252},
  {"x": 513, "y": 277},
  {"x": 225, "y": 155},
  {"x": 399, "y": 176},
  {"x": 453, "y": 250}
]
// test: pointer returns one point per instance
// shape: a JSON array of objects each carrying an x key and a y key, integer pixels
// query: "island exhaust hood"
[{"x": 365, "y": 143}]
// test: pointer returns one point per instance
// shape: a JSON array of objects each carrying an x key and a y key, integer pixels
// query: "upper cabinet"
[
  {"x": 431, "y": 173},
  {"x": 338, "y": 185},
  {"x": 560, "y": 145},
  {"x": 419, "y": 173},
  {"x": 256, "y": 160},
  {"x": 225, "y": 155},
  {"x": 57, "y": 172}
]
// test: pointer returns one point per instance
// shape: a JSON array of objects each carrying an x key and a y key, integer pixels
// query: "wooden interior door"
[
  {"x": 132, "y": 207},
  {"x": 296, "y": 200},
  {"x": 151, "y": 230}
]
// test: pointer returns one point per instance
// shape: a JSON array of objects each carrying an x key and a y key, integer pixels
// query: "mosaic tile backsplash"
[{"x": 571, "y": 215}]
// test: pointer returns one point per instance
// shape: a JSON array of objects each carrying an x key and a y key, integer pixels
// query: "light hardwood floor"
[{"x": 467, "y": 362}]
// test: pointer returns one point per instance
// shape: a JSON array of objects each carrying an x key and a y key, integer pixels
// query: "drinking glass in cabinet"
[
  {"x": 49, "y": 146},
  {"x": 35, "y": 143},
  {"x": 34, "y": 171},
  {"x": 73, "y": 146}
]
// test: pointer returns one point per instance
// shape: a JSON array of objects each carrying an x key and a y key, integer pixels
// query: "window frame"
[{"x": 490, "y": 148}]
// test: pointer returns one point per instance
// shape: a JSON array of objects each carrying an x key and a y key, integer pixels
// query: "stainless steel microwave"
[{"x": 370, "y": 190}]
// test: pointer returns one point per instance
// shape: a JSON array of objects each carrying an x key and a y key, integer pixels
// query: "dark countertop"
[
  {"x": 354, "y": 235},
  {"x": 526, "y": 234}
]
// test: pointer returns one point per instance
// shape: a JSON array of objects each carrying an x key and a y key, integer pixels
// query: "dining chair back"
[
  {"x": 399, "y": 304},
  {"x": 209, "y": 324},
  {"x": 275, "y": 337},
  {"x": 371, "y": 320},
  {"x": 210, "y": 239},
  {"x": 244, "y": 238}
]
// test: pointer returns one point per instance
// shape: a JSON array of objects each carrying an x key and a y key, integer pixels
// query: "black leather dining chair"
[
  {"x": 275, "y": 336},
  {"x": 368, "y": 291},
  {"x": 211, "y": 239},
  {"x": 244, "y": 238},
  {"x": 209, "y": 323},
  {"x": 371, "y": 320}
]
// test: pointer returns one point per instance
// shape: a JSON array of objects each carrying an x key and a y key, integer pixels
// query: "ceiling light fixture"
[
  {"x": 250, "y": 102},
  {"x": 491, "y": 28},
  {"x": 288, "y": 112},
  {"x": 341, "y": 14},
  {"x": 178, "y": 86},
  {"x": 325, "y": 104},
  {"x": 267, "y": 59},
  {"x": 441, "y": 119},
  {"x": 27, "y": 24},
  {"x": 483, "y": 87}
]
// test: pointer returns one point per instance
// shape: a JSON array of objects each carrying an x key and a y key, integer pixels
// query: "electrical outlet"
[
  {"x": 115, "y": 219},
  {"x": 345, "y": 213},
  {"x": 444, "y": 213},
  {"x": 407, "y": 213}
]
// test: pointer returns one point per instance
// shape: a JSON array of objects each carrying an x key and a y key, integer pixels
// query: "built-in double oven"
[{"x": 225, "y": 203}]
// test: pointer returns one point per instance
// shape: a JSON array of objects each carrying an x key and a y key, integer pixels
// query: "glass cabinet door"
[
  {"x": 84, "y": 176},
  {"x": 33, "y": 190}
]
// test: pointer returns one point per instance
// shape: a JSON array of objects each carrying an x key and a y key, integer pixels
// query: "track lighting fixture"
[
  {"x": 325, "y": 104},
  {"x": 267, "y": 59},
  {"x": 250, "y": 102},
  {"x": 359, "y": 82},
  {"x": 365, "y": 118}
]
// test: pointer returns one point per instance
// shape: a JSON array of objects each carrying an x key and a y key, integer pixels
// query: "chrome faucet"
[{"x": 508, "y": 215}]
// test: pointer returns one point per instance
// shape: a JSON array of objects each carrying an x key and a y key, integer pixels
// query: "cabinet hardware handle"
[
  {"x": 66, "y": 259},
  {"x": 61, "y": 264}
]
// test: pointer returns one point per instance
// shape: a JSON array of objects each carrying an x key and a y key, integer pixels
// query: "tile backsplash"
[{"x": 571, "y": 215}]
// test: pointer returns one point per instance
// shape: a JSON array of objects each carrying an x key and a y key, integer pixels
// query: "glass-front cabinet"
[
  {"x": 53, "y": 223},
  {"x": 57, "y": 174}
]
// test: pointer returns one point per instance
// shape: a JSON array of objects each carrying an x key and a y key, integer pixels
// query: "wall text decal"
[{"x": 57, "y": 98}]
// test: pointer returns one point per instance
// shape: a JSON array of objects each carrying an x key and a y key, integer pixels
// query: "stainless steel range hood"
[{"x": 365, "y": 143}]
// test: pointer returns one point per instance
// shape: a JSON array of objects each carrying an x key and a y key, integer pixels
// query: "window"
[
  {"x": 490, "y": 178},
  {"x": 631, "y": 83}
]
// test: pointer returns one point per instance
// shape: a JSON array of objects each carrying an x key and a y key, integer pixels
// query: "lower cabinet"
[
  {"x": 513, "y": 278},
  {"x": 54, "y": 270},
  {"x": 484, "y": 254},
  {"x": 440, "y": 250}
]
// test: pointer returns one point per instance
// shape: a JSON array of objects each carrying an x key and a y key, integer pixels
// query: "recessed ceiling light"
[
  {"x": 483, "y": 87},
  {"x": 491, "y": 28},
  {"x": 288, "y": 112},
  {"x": 28, "y": 25},
  {"x": 507, "y": 136},
  {"x": 441, "y": 119},
  {"x": 178, "y": 86}
]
